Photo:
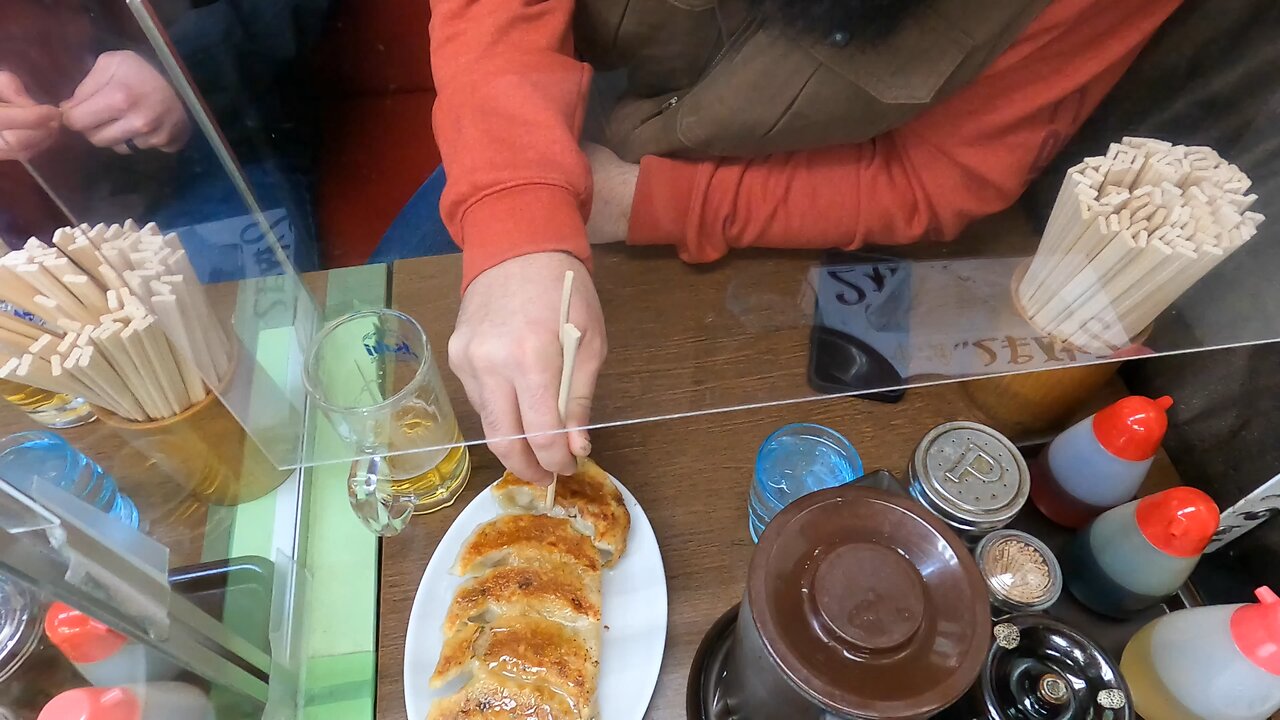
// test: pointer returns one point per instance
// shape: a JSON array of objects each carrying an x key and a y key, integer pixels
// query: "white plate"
[{"x": 635, "y": 616}]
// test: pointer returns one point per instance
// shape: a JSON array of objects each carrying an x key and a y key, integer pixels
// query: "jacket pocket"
[
  {"x": 744, "y": 94},
  {"x": 909, "y": 67}
]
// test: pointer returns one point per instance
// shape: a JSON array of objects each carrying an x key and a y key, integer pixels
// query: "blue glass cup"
[{"x": 794, "y": 461}]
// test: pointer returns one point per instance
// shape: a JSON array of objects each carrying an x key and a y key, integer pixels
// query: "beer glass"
[{"x": 372, "y": 374}]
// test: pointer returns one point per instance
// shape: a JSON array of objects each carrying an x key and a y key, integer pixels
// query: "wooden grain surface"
[
  {"x": 684, "y": 338},
  {"x": 691, "y": 474}
]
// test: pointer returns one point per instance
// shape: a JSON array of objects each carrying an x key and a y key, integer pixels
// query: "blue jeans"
[{"x": 418, "y": 230}]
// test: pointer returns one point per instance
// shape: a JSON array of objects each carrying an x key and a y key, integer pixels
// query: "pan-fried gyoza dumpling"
[
  {"x": 546, "y": 587},
  {"x": 519, "y": 539},
  {"x": 528, "y": 649},
  {"x": 490, "y": 696},
  {"x": 588, "y": 498}
]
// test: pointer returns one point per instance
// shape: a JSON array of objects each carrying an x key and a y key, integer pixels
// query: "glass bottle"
[{"x": 42, "y": 456}]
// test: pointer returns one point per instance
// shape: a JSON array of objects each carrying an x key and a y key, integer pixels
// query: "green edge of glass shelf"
[{"x": 334, "y": 556}]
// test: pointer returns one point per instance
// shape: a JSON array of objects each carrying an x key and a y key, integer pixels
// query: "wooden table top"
[{"x": 691, "y": 474}]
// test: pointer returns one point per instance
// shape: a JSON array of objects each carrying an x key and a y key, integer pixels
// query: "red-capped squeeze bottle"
[
  {"x": 152, "y": 701},
  {"x": 1135, "y": 555},
  {"x": 103, "y": 656},
  {"x": 1220, "y": 662},
  {"x": 1099, "y": 462}
]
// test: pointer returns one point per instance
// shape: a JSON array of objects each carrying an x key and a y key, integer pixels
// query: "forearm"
[
  {"x": 834, "y": 198},
  {"x": 507, "y": 120},
  {"x": 967, "y": 157}
]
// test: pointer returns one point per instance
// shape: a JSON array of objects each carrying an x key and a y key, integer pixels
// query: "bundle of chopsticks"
[
  {"x": 121, "y": 320},
  {"x": 1131, "y": 232}
]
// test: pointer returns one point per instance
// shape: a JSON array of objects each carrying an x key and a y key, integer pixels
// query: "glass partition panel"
[
  {"x": 1034, "y": 214},
  {"x": 130, "y": 205},
  {"x": 931, "y": 231}
]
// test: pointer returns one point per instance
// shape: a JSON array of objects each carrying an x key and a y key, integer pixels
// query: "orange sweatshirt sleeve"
[
  {"x": 509, "y": 110},
  {"x": 967, "y": 157}
]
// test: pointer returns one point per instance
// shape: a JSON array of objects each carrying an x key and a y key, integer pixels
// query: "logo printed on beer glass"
[
  {"x": 376, "y": 342},
  {"x": 977, "y": 463}
]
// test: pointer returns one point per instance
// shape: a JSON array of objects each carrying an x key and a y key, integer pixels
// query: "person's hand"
[
  {"x": 506, "y": 349},
  {"x": 26, "y": 126},
  {"x": 124, "y": 103},
  {"x": 613, "y": 189}
]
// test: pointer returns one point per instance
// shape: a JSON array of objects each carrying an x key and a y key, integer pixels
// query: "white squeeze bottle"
[
  {"x": 152, "y": 701},
  {"x": 1210, "y": 663}
]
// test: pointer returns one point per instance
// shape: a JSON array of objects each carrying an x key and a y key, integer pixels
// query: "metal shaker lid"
[
  {"x": 970, "y": 475},
  {"x": 1042, "y": 669},
  {"x": 19, "y": 625},
  {"x": 868, "y": 606}
]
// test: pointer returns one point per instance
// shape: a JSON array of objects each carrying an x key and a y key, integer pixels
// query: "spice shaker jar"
[
  {"x": 1021, "y": 573},
  {"x": 858, "y": 605},
  {"x": 1042, "y": 669},
  {"x": 971, "y": 476}
]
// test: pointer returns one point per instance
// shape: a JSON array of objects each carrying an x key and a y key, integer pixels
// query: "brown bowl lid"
[{"x": 869, "y": 604}]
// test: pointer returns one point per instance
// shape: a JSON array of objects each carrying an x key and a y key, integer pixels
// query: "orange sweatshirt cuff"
[
  {"x": 665, "y": 195},
  {"x": 520, "y": 221}
]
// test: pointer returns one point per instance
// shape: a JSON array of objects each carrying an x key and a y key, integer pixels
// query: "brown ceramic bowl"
[{"x": 866, "y": 604}]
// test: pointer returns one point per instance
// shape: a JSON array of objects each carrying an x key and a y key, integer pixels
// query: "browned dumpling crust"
[
  {"x": 527, "y": 650},
  {"x": 545, "y": 586},
  {"x": 514, "y": 539},
  {"x": 490, "y": 696},
  {"x": 588, "y": 497}
]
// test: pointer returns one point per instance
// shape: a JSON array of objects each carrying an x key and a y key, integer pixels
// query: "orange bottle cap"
[
  {"x": 1256, "y": 630},
  {"x": 1132, "y": 428},
  {"x": 93, "y": 704},
  {"x": 81, "y": 639},
  {"x": 1179, "y": 521}
]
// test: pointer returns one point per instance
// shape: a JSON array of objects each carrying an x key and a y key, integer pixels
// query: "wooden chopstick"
[
  {"x": 121, "y": 320},
  {"x": 567, "y": 358},
  {"x": 1128, "y": 234}
]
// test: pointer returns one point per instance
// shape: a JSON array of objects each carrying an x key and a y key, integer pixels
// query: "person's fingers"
[
  {"x": 177, "y": 135},
  {"x": 498, "y": 410},
  {"x": 29, "y": 117},
  {"x": 131, "y": 127},
  {"x": 582, "y": 387},
  {"x": 500, "y": 416},
  {"x": 21, "y": 144},
  {"x": 99, "y": 78},
  {"x": 109, "y": 135},
  {"x": 538, "y": 391},
  {"x": 96, "y": 114},
  {"x": 12, "y": 90}
]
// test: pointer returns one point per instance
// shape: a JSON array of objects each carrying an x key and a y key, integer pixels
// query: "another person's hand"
[
  {"x": 26, "y": 126},
  {"x": 613, "y": 189},
  {"x": 124, "y": 103},
  {"x": 506, "y": 349}
]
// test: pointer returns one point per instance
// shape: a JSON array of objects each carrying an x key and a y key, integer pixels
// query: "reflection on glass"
[{"x": 49, "y": 408}]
